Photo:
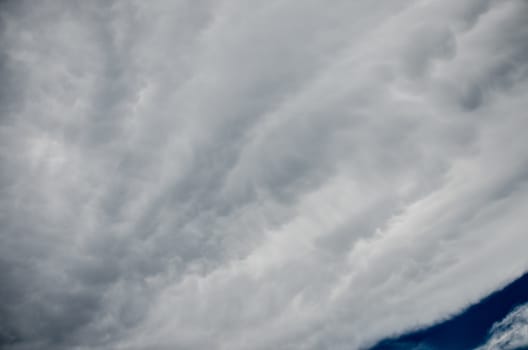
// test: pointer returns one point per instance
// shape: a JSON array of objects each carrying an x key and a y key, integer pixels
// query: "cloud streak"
[
  {"x": 234, "y": 175},
  {"x": 511, "y": 332}
]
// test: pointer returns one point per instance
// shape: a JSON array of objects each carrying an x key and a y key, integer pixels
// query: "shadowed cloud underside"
[{"x": 233, "y": 174}]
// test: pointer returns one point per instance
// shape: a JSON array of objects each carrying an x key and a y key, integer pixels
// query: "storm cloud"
[{"x": 233, "y": 174}]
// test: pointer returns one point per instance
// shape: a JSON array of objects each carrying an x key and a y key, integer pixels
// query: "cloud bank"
[{"x": 256, "y": 175}]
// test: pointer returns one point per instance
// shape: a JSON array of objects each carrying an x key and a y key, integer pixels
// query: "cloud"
[
  {"x": 233, "y": 175},
  {"x": 511, "y": 332}
]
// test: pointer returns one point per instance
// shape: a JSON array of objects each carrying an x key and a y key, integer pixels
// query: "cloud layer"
[{"x": 256, "y": 174}]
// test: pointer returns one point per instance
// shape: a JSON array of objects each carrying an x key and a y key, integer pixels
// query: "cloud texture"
[{"x": 256, "y": 174}]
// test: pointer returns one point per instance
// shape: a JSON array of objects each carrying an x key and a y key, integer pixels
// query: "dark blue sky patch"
[{"x": 467, "y": 330}]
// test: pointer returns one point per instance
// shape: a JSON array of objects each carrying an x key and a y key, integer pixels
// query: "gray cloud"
[{"x": 234, "y": 175}]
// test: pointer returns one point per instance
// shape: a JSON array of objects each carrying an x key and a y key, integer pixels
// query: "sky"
[
  {"x": 282, "y": 174},
  {"x": 498, "y": 322}
]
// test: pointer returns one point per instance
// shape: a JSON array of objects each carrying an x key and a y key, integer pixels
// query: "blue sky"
[{"x": 469, "y": 329}]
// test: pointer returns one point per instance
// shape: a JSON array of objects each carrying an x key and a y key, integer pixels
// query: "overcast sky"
[{"x": 257, "y": 175}]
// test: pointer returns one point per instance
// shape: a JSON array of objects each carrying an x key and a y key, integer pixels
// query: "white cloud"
[
  {"x": 511, "y": 332},
  {"x": 233, "y": 175}
]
